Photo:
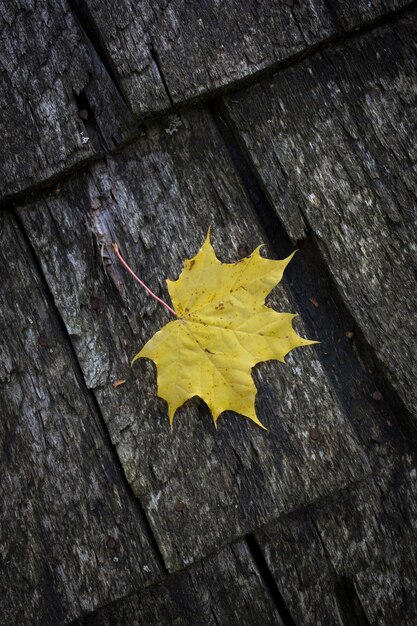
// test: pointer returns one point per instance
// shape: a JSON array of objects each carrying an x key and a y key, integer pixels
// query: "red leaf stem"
[{"x": 123, "y": 262}]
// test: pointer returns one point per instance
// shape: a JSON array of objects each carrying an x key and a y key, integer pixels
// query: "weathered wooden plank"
[
  {"x": 202, "y": 46},
  {"x": 46, "y": 67},
  {"x": 200, "y": 488},
  {"x": 223, "y": 589},
  {"x": 113, "y": 65},
  {"x": 356, "y": 13},
  {"x": 340, "y": 134},
  {"x": 71, "y": 535},
  {"x": 351, "y": 557},
  {"x": 388, "y": 593},
  {"x": 119, "y": 35}
]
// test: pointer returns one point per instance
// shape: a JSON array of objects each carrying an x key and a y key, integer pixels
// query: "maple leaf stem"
[{"x": 129, "y": 269}]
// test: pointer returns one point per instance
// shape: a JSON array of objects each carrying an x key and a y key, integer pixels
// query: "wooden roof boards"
[
  {"x": 351, "y": 555},
  {"x": 226, "y": 588},
  {"x": 78, "y": 77},
  {"x": 47, "y": 74},
  {"x": 198, "y": 47},
  {"x": 72, "y": 536},
  {"x": 303, "y": 136},
  {"x": 158, "y": 199}
]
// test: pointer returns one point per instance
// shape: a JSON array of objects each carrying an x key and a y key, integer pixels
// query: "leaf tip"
[
  {"x": 208, "y": 237},
  {"x": 258, "y": 249},
  {"x": 171, "y": 419},
  {"x": 257, "y": 421},
  {"x": 135, "y": 358},
  {"x": 289, "y": 258}
]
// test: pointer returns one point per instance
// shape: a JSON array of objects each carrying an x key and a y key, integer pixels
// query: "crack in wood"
[
  {"x": 269, "y": 581},
  {"x": 349, "y": 604},
  {"x": 87, "y": 115},
  {"x": 92, "y": 36},
  {"x": 158, "y": 65}
]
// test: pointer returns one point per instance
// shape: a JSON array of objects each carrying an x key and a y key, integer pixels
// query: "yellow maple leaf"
[{"x": 223, "y": 329}]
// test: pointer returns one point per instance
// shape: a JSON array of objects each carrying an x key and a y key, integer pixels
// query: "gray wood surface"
[
  {"x": 357, "y": 13},
  {"x": 199, "y": 46},
  {"x": 48, "y": 75},
  {"x": 118, "y": 33},
  {"x": 223, "y": 589},
  {"x": 340, "y": 134},
  {"x": 78, "y": 76},
  {"x": 200, "y": 488},
  {"x": 106, "y": 516},
  {"x": 351, "y": 558},
  {"x": 72, "y": 537}
]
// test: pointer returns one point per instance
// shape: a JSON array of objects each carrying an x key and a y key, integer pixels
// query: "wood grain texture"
[
  {"x": 72, "y": 536},
  {"x": 356, "y": 13},
  {"x": 46, "y": 65},
  {"x": 117, "y": 63},
  {"x": 339, "y": 132},
  {"x": 199, "y": 47},
  {"x": 200, "y": 488},
  {"x": 350, "y": 559},
  {"x": 223, "y": 589}
]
